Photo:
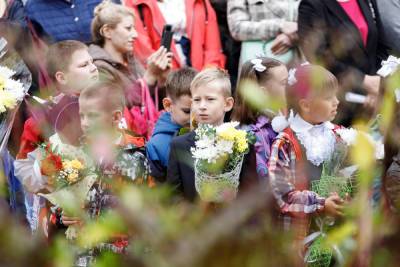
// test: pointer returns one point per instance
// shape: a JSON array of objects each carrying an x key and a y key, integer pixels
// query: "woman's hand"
[
  {"x": 372, "y": 85},
  {"x": 281, "y": 44},
  {"x": 158, "y": 65},
  {"x": 290, "y": 29}
]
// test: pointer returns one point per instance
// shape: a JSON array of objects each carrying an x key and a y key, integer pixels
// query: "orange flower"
[{"x": 51, "y": 165}]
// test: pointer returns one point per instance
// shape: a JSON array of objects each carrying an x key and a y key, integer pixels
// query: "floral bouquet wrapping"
[{"x": 218, "y": 155}]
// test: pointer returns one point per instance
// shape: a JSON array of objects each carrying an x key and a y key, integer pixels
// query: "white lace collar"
[{"x": 318, "y": 140}]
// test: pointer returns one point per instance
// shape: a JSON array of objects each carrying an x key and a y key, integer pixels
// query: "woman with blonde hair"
[{"x": 113, "y": 34}]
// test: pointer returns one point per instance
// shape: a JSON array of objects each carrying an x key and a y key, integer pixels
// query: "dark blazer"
[
  {"x": 328, "y": 36},
  {"x": 180, "y": 172}
]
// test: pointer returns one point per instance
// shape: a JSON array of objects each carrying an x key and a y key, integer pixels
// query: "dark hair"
[
  {"x": 178, "y": 82},
  {"x": 243, "y": 112},
  {"x": 309, "y": 80},
  {"x": 59, "y": 55},
  {"x": 110, "y": 93}
]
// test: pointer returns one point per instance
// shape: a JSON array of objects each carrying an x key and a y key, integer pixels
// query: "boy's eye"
[
  {"x": 196, "y": 99},
  {"x": 186, "y": 111}
]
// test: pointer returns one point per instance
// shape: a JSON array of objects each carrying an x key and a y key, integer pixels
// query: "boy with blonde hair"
[{"x": 211, "y": 99}]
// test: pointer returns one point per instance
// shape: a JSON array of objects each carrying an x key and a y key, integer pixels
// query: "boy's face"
[
  {"x": 321, "y": 108},
  {"x": 80, "y": 73},
  {"x": 95, "y": 118},
  {"x": 209, "y": 104},
  {"x": 179, "y": 109}
]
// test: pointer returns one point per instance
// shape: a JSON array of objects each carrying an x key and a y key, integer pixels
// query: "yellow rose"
[
  {"x": 73, "y": 177},
  {"x": 73, "y": 164},
  {"x": 76, "y": 164}
]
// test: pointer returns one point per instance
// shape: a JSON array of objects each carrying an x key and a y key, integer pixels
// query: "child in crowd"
[
  {"x": 271, "y": 76},
  {"x": 177, "y": 116},
  {"x": 298, "y": 153},
  {"x": 119, "y": 158},
  {"x": 71, "y": 69},
  {"x": 211, "y": 99}
]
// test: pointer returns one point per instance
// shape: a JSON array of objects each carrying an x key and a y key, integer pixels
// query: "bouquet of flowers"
[
  {"x": 70, "y": 174},
  {"x": 336, "y": 178},
  {"x": 12, "y": 93},
  {"x": 218, "y": 155}
]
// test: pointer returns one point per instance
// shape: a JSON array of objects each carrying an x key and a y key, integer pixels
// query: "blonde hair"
[
  {"x": 110, "y": 14},
  {"x": 211, "y": 75}
]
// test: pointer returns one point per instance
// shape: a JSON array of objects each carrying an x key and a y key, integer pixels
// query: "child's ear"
[
  {"x": 229, "y": 102},
  {"x": 304, "y": 105},
  {"x": 167, "y": 102},
  {"x": 60, "y": 77}
]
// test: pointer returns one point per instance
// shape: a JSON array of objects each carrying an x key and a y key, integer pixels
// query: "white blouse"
[{"x": 318, "y": 140}]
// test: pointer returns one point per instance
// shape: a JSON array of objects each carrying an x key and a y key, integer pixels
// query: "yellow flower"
[
  {"x": 241, "y": 141},
  {"x": 76, "y": 164},
  {"x": 73, "y": 177},
  {"x": 73, "y": 164},
  {"x": 7, "y": 101},
  {"x": 228, "y": 134}
]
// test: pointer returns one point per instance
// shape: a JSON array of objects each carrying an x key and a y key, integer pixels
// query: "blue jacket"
[
  {"x": 62, "y": 20},
  {"x": 158, "y": 146}
]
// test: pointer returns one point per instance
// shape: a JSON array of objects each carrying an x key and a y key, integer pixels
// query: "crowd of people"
[{"x": 294, "y": 74}]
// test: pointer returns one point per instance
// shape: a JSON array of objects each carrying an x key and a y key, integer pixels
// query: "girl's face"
[
  {"x": 321, "y": 108},
  {"x": 276, "y": 84},
  {"x": 123, "y": 35}
]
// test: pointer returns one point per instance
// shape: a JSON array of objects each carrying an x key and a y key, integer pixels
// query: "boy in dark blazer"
[{"x": 211, "y": 99}]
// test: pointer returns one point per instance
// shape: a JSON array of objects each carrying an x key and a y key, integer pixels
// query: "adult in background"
[
  {"x": 62, "y": 19},
  {"x": 114, "y": 33},
  {"x": 196, "y": 41},
  {"x": 346, "y": 37},
  {"x": 272, "y": 22},
  {"x": 389, "y": 11},
  {"x": 230, "y": 46}
]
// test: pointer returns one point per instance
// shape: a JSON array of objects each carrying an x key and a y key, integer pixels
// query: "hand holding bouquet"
[{"x": 218, "y": 155}]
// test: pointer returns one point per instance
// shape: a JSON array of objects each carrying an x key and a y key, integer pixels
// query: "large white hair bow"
[{"x": 257, "y": 65}]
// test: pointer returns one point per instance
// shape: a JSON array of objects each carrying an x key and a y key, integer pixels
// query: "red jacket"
[{"x": 201, "y": 29}]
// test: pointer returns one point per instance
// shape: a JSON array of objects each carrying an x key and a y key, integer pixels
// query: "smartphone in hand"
[{"x": 166, "y": 37}]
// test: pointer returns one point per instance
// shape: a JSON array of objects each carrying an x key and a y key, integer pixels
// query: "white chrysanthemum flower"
[
  {"x": 224, "y": 147},
  {"x": 349, "y": 135},
  {"x": 227, "y": 125},
  {"x": 16, "y": 88},
  {"x": 6, "y": 73}
]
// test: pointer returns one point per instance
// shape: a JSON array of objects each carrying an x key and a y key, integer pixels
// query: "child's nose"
[
  {"x": 134, "y": 34},
  {"x": 93, "y": 67}
]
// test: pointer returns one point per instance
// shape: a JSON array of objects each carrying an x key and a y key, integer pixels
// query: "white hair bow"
[
  {"x": 389, "y": 66},
  {"x": 280, "y": 122},
  {"x": 292, "y": 77},
  {"x": 257, "y": 65}
]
